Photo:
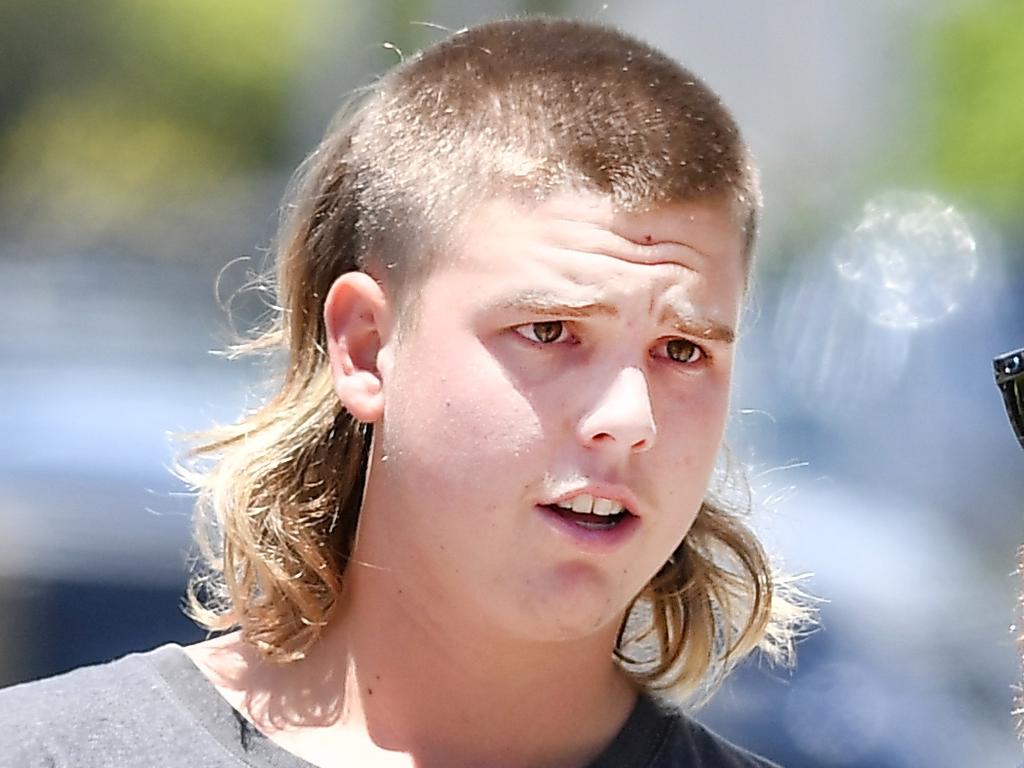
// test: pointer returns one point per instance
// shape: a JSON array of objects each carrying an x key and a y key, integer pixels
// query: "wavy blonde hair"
[{"x": 518, "y": 108}]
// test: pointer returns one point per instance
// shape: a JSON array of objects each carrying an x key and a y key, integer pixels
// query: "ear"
[{"x": 356, "y": 318}]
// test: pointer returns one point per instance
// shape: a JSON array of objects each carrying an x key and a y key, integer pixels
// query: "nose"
[{"x": 622, "y": 417}]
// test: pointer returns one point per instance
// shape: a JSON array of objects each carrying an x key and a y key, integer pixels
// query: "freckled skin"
[{"x": 481, "y": 424}]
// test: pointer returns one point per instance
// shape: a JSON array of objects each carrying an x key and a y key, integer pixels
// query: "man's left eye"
[{"x": 683, "y": 351}]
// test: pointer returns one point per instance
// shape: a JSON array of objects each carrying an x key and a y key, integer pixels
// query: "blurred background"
[{"x": 144, "y": 149}]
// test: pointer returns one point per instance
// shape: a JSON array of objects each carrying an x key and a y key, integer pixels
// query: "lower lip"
[{"x": 597, "y": 540}]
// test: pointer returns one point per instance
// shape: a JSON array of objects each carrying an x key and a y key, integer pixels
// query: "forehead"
[
  {"x": 566, "y": 231},
  {"x": 576, "y": 254}
]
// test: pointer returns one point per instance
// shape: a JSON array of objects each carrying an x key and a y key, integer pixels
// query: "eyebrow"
[
  {"x": 698, "y": 327},
  {"x": 553, "y": 305}
]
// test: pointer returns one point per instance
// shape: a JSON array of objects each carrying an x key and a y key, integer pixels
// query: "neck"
[
  {"x": 423, "y": 680},
  {"x": 394, "y": 681},
  {"x": 410, "y": 669}
]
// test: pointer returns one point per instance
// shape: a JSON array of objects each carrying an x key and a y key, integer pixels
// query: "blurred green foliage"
[
  {"x": 111, "y": 108},
  {"x": 975, "y": 140}
]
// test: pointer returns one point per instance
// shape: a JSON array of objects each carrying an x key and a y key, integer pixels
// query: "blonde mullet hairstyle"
[
  {"x": 519, "y": 108},
  {"x": 279, "y": 491},
  {"x": 716, "y": 600}
]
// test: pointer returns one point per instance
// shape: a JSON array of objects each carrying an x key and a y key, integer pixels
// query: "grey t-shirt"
[{"x": 158, "y": 709}]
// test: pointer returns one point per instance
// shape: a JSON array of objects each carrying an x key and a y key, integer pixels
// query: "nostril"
[
  {"x": 637, "y": 445},
  {"x": 641, "y": 445}
]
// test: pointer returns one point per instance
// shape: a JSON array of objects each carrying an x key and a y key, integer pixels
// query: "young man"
[{"x": 474, "y": 526}]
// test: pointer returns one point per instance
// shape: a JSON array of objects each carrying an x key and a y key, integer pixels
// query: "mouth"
[
  {"x": 592, "y": 521},
  {"x": 591, "y": 513}
]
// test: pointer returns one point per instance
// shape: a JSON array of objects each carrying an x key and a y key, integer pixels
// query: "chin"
[
  {"x": 583, "y": 626},
  {"x": 562, "y": 609}
]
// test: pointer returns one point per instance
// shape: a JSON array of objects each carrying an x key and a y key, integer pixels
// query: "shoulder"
[
  {"x": 92, "y": 716},
  {"x": 691, "y": 744},
  {"x": 658, "y": 735},
  {"x": 86, "y": 693}
]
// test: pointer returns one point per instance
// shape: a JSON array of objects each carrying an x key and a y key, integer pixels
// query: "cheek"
[
  {"x": 717, "y": 413},
  {"x": 690, "y": 432},
  {"x": 699, "y": 407},
  {"x": 453, "y": 403}
]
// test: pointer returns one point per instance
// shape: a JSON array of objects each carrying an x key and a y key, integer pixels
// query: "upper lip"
[{"x": 616, "y": 493}]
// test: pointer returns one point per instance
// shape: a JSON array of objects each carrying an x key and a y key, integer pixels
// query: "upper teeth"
[{"x": 585, "y": 504}]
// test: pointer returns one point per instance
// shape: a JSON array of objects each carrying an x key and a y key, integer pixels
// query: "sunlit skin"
[{"x": 563, "y": 347}]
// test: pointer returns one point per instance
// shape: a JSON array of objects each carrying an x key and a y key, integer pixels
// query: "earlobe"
[{"x": 355, "y": 318}]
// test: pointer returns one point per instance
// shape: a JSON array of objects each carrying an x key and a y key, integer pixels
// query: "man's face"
[{"x": 566, "y": 353}]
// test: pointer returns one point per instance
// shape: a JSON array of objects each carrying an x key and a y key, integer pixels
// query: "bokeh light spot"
[{"x": 908, "y": 261}]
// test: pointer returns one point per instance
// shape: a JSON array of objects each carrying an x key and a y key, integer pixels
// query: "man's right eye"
[{"x": 547, "y": 332}]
